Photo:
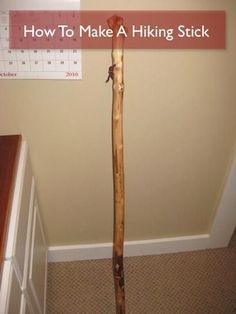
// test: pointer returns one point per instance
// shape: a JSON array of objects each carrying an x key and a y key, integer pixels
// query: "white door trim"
[{"x": 225, "y": 219}]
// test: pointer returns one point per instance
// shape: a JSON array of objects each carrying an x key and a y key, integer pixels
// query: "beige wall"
[{"x": 180, "y": 135}]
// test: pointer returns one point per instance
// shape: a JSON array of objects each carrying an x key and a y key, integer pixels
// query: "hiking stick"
[{"x": 118, "y": 161}]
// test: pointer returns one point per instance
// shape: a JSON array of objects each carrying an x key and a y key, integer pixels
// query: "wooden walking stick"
[{"x": 116, "y": 73}]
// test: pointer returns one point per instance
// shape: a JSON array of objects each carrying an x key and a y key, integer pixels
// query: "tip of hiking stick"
[{"x": 115, "y": 21}]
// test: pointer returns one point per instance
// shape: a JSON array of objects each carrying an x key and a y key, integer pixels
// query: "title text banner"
[{"x": 141, "y": 29}]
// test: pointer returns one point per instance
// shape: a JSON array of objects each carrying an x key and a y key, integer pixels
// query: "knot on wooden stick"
[{"x": 110, "y": 73}]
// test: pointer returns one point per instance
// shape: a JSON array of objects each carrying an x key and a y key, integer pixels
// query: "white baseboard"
[
  {"x": 219, "y": 235},
  {"x": 132, "y": 248}
]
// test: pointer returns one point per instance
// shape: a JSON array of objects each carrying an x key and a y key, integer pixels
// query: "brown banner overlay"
[{"x": 144, "y": 29}]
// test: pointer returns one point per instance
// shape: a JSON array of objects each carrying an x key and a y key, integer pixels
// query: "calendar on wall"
[{"x": 37, "y": 63}]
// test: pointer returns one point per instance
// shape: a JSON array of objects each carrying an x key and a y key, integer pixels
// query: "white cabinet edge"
[
  {"x": 29, "y": 233},
  {"x": 16, "y": 201},
  {"x": 5, "y": 288},
  {"x": 37, "y": 217}
]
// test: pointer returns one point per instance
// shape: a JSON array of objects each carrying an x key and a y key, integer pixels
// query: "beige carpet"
[{"x": 196, "y": 282}]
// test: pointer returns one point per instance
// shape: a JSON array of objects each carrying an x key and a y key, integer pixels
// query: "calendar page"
[{"x": 37, "y": 63}]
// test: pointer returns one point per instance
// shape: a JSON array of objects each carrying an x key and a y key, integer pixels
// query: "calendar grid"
[{"x": 36, "y": 63}]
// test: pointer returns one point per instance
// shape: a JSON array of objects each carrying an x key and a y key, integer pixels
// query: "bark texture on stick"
[{"x": 118, "y": 162}]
